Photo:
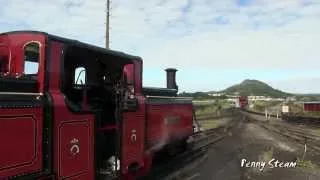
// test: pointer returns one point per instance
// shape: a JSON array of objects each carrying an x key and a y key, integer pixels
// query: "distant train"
[{"x": 241, "y": 102}]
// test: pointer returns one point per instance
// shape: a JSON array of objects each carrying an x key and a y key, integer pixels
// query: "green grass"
[
  {"x": 209, "y": 109},
  {"x": 266, "y": 155},
  {"x": 212, "y": 108},
  {"x": 214, "y": 123},
  {"x": 259, "y": 106},
  {"x": 306, "y": 164}
]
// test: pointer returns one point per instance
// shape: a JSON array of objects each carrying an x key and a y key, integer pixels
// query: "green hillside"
[
  {"x": 254, "y": 87},
  {"x": 250, "y": 87}
]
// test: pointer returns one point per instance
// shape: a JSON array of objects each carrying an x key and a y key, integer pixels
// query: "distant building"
[
  {"x": 232, "y": 96},
  {"x": 291, "y": 98},
  {"x": 255, "y": 98},
  {"x": 263, "y": 98},
  {"x": 279, "y": 99},
  {"x": 216, "y": 94}
]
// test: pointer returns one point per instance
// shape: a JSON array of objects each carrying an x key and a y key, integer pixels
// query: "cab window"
[
  {"x": 80, "y": 76},
  {"x": 31, "y": 58}
]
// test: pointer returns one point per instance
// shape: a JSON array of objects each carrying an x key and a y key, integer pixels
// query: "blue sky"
[{"x": 212, "y": 43}]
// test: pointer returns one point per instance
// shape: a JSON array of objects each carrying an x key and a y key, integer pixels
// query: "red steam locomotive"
[{"x": 70, "y": 110}]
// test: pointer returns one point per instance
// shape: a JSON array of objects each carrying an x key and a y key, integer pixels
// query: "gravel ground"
[{"x": 253, "y": 143}]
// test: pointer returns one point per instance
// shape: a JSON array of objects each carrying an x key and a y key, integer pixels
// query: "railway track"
[
  {"x": 197, "y": 148},
  {"x": 209, "y": 116},
  {"x": 294, "y": 119},
  {"x": 306, "y": 133},
  {"x": 297, "y": 135},
  {"x": 308, "y": 130},
  {"x": 304, "y": 136}
]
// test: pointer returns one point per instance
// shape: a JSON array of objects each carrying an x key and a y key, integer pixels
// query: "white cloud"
[
  {"x": 74, "y": 19},
  {"x": 163, "y": 35},
  {"x": 288, "y": 37}
]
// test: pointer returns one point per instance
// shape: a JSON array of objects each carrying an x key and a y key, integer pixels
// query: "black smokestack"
[{"x": 171, "y": 78}]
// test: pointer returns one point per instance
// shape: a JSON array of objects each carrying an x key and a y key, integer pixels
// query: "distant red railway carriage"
[
  {"x": 311, "y": 106},
  {"x": 243, "y": 100},
  {"x": 69, "y": 110}
]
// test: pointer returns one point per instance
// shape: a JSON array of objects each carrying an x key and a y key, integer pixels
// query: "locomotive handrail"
[{"x": 21, "y": 93}]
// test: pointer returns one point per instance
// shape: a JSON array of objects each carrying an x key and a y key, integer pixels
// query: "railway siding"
[
  {"x": 307, "y": 130},
  {"x": 306, "y": 136}
]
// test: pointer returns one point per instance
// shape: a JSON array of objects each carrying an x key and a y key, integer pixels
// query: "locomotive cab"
[
  {"x": 101, "y": 85},
  {"x": 63, "y": 101}
]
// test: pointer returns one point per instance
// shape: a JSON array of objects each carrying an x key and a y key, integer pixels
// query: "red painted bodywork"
[
  {"x": 15, "y": 43},
  {"x": 68, "y": 126},
  {"x": 161, "y": 132},
  {"x": 133, "y": 137},
  {"x": 21, "y": 129},
  {"x": 314, "y": 106},
  {"x": 21, "y": 141}
]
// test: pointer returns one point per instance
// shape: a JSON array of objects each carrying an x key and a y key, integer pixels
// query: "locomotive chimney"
[{"x": 171, "y": 78}]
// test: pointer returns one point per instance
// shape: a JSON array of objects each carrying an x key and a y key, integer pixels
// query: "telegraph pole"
[{"x": 107, "y": 24}]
